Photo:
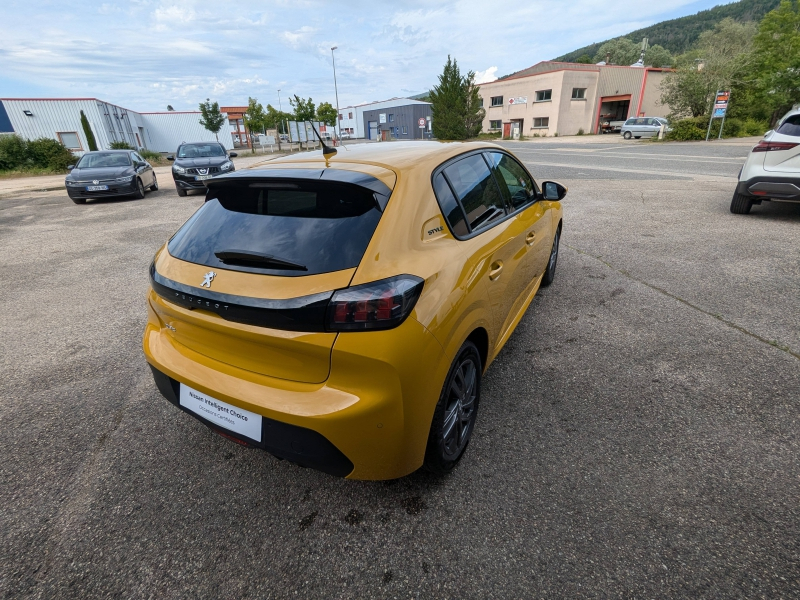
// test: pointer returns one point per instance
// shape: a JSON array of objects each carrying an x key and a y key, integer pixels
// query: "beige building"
[{"x": 563, "y": 98}]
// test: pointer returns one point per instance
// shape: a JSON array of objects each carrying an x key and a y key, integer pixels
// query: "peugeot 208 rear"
[{"x": 325, "y": 310}]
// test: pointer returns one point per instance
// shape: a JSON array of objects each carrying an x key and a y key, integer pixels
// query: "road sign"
[
  {"x": 719, "y": 109},
  {"x": 421, "y": 123}
]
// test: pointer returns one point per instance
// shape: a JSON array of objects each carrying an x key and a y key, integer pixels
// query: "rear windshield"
[
  {"x": 280, "y": 228},
  {"x": 791, "y": 126},
  {"x": 104, "y": 159},
  {"x": 200, "y": 150}
]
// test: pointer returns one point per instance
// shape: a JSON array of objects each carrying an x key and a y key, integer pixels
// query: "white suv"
[{"x": 772, "y": 170}]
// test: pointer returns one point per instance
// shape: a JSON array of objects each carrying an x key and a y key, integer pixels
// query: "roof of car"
[{"x": 391, "y": 155}]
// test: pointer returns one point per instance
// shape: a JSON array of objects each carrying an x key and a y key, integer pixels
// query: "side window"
[
  {"x": 477, "y": 190},
  {"x": 134, "y": 158},
  {"x": 514, "y": 181},
  {"x": 450, "y": 208},
  {"x": 630, "y": 122}
]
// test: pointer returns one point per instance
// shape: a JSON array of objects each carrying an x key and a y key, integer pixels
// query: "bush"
[
  {"x": 149, "y": 154},
  {"x": 688, "y": 129},
  {"x": 581, "y": 132},
  {"x": 120, "y": 146},
  {"x": 42, "y": 153},
  {"x": 47, "y": 153},
  {"x": 12, "y": 152}
]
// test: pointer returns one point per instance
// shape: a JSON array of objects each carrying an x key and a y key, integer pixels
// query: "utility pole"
[{"x": 336, "y": 89}]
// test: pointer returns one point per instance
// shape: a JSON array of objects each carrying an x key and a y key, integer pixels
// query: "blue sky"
[{"x": 145, "y": 54}]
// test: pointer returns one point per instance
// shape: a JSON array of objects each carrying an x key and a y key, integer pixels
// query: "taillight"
[
  {"x": 764, "y": 146},
  {"x": 379, "y": 305}
]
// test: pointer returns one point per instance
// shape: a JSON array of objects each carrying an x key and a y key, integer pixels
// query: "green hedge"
[
  {"x": 121, "y": 146},
  {"x": 697, "y": 127},
  {"x": 43, "y": 153}
]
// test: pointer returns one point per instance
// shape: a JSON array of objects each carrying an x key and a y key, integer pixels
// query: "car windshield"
[
  {"x": 200, "y": 150},
  {"x": 790, "y": 126},
  {"x": 104, "y": 159},
  {"x": 311, "y": 226}
]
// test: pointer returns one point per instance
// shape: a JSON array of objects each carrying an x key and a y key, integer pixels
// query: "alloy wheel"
[{"x": 460, "y": 407}]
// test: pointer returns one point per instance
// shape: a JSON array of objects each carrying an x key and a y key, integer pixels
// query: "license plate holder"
[
  {"x": 202, "y": 177},
  {"x": 96, "y": 188},
  {"x": 221, "y": 414}
]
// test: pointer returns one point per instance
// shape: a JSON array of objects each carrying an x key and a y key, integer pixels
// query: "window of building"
[
  {"x": 349, "y": 115},
  {"x": 495, "y": 124},
  {"x": 481, "y": 99},
  {"x": 579, "y": 93},
  {"x": 541, "y": 123},
  {"x": 70, "y": 140},
  {"x": 544, "y": 95},
  {"x": 391, "y": 118},
  {"x": 497, "y": 101},
  {"x": 341, "y": 116},
  {"x": 405, "y": 130}
]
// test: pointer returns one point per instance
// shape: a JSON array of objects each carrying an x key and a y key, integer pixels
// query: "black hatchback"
[
  {"x": 110, "y": 173},
  {"x": 198, "y": 162}
]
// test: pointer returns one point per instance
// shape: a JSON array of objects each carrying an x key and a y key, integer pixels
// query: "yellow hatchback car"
[{"x": 340, "y": 311}]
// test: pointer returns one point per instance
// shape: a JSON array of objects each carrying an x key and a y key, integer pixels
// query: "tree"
[
  {"x": 304, "y": 110},
  {"x": 87, "y": 131},
  {"x": 658, "y": 56},
  {"x": 777, "y": 60},
  {"x": 449, "y": 104},
  {"x": 721, "y": 61},
  {"x": 169, "y": 108},
  {"x": 619, "y": 51},
  {"x": 474, "y": 112},
  {"x": 254, "y": 118},
  {"x": 327, "y": 113},
  {"x": 584, "y": 59},
  {"x": 211, "y": 117},
  {"x": 275, "y": 119}
]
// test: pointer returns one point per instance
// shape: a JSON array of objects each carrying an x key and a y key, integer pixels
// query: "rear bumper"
[
  {"x": 369, "y": 420},
  {"x": 786, "y": 189}
]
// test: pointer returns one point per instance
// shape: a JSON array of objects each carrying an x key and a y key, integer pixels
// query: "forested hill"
[{"x": 678, "y": 35}]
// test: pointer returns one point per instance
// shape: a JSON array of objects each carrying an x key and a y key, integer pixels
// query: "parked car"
[
  {"x": 318, "y": 311},
  {"x": 198, "y": 162},
  {"x": 284, "y": 137},
  {"x": 642, "y": 127},
  {"x": 772, "y": 169},
  {"x": 109, "y": 173}
]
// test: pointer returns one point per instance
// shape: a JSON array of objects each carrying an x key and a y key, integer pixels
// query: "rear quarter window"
[{"x": 790, "y": 126}]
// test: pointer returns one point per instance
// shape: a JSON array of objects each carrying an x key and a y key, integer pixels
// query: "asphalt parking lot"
[{"x": 637, "y": 438}]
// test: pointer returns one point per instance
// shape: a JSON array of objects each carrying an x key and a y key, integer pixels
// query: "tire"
[
  {"x": 154, "y": 187},
  {"x": 741, "y": 204},
  {"x": 455, "y": 413},
  {"x": 627, "y": 135},
  {"x": 181, "y": 191},
  {"x": 79, "y": 200},
  {"x": 552, "y": 262},
  {"x": 139, "y": 193}
]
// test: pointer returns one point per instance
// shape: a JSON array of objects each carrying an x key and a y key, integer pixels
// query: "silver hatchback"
[{"x": 643, "y": 127}]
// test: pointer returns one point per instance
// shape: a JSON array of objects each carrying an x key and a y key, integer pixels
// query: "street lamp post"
[
  {"x": 336, "y": 89},
  {"x": 280, "y": 108}
]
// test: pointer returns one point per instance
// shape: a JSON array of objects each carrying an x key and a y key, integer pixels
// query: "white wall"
[
  {"x": 167, "y": 130},
  {"x": 357, "y": 122},
  {"x": 53, "y": 116}
]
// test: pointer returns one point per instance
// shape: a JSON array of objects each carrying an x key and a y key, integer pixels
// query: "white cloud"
[
  {"x": 486, "y": 76},
  {"x": 159, "y": 52}
]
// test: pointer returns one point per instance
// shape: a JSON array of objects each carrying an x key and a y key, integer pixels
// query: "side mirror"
[
  {"x": 70, "y": 167},
  {"x": 170, "y": 157},
  {"x": 553, "y": 191},
  {"x": 233, "y": 155}
]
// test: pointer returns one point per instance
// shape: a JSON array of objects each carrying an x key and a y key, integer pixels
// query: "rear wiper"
[{"x": 244, "y": 258}]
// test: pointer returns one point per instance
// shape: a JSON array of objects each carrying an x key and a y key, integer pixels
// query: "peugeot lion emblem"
[
  {"x": 209, "y": 277},
  {"x": 96, "y": 181}
]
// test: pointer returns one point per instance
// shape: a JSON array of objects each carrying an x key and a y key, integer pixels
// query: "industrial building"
[
  {"x": 564, "y": 98},
  {"x": 60, "y": 119},
  {"x": 354, "y": 122}
]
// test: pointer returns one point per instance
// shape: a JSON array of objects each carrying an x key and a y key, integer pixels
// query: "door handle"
[
  {"x": 530, "y": 238},
  {"x": 497, "y": 268}
]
